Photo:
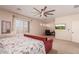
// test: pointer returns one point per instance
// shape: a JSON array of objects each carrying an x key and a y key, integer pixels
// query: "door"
[{"x": 75, "y": 31}]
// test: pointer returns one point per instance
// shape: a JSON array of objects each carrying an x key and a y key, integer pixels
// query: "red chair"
[{"x": 48, "y": 43}]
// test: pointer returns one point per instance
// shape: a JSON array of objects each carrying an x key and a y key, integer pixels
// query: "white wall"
[
  {"x": 67, "y": 33},
  {"x": 51, "y": 26},
  {"x": 4, "y": 16},
  {"x": 35, "y": 27}
]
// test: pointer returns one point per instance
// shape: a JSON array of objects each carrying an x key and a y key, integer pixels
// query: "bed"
[
  {"x": 48, "y": 42},
  {"x": 21, "y": 45}
]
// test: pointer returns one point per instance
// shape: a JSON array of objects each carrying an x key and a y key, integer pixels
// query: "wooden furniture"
[{"x": 48, "y": 32}]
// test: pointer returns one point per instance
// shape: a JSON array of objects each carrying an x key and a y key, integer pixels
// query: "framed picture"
[
  {"x": 60, "y": 26},
  {"x": 5, "y": 27}
]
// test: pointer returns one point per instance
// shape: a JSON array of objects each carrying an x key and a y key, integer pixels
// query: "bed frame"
[{"x": 47, "y": 41}]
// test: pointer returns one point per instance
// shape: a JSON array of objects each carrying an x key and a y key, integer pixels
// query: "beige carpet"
[{"x": 64, "y": 47}]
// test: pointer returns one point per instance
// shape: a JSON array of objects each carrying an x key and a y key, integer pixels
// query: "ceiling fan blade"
[
  {"x": 36, "y": 10},
  {"x": 44, "y": 8},
  {"x": 45, "y": 15},
  {"x": 50, "y": 11},
  {"x": 41, "y": 10},
  {"x": 34, "y": 13}
]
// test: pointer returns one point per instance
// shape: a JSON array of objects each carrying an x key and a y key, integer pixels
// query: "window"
[
  {"x": 22, "y": 26},
  {"x": 26, "y": 26}
]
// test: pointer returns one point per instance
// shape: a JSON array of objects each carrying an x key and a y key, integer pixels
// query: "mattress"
[{"x": 21, "y": 45}]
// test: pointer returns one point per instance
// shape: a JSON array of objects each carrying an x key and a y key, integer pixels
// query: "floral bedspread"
[{"x": 21, "y": 45}]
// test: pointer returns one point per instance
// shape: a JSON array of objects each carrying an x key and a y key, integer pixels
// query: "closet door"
[{"x": 75, "y": 31}]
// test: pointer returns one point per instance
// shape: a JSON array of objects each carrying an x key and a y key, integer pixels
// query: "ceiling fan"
[{"x": 43, "y": 11}]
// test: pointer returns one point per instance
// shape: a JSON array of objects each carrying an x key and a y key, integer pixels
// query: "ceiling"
[{"x": 27, "y": 10}]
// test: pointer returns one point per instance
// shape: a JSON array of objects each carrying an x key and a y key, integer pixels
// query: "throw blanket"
[{"x": 21, "y": 45}]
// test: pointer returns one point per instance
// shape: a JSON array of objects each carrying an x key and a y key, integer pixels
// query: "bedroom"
[{"x": 17, "y": 20}]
